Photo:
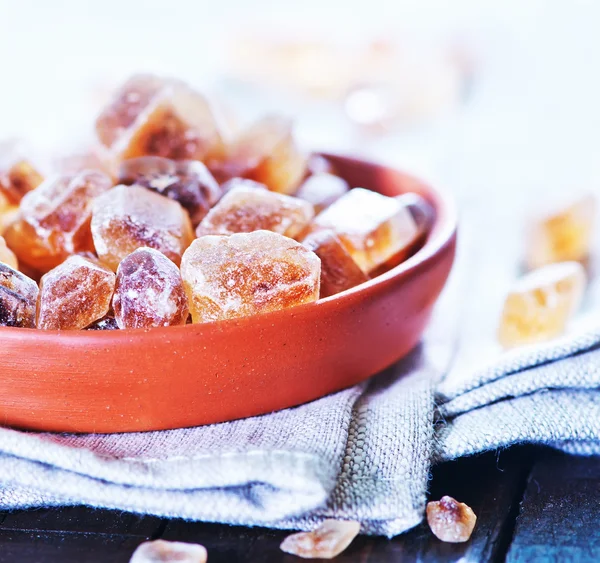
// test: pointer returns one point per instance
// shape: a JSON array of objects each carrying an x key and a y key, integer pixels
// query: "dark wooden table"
[{"x": 532, "y": 505}]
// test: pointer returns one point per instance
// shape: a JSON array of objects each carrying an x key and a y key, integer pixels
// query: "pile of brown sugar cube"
[{"x": 165, "y": 220}]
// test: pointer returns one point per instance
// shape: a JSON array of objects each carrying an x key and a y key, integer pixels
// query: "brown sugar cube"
[
  {"x": 149, "y": 291},
  {"x": 245, "y": 209},
  {"x": 563, "y": 235},
  {"x": 162, "y": 551},
  {"x": 18, "y": 298},
  {"x": 74, "y": 295},
  {"x": 266, "y": 152},
  {"x": 339, "y": 271},
  {"x": 247, "y": 274},
  {"x": 7, "y": 256},
  {"x": 161, "y": 117},
  {"x": 189, "y": 182},
  {"x": 322, "y": 190},
  {"x": 18, "y": 175},
  {"x": 451, "y": 521},
  {"x": 54, "y": 219},
  {"x": 325, "y": 542},
  {"x": 541, "y": 303},
  {"x": 128, "y": 217},
  {"x": 374, "y": 228}
]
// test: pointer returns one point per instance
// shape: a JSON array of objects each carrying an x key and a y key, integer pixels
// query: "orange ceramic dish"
[{"x": 160, "y": 378}]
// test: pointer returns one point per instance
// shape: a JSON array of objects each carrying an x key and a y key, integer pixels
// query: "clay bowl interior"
[{"x": 171, "y": 377}]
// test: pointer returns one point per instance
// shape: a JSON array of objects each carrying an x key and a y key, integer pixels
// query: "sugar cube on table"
[
  {"x": 451, "y": 521},
  {"x": 246, "y": 274},
  {"x": 162, "y": 551},
  {"x": 244, "y": 209},
  {"x": 562, "y": 235},
  {"x": 541, "y": 303},
  {"x": 126, "y": 218},
  {"x": 326, "y": 541}
]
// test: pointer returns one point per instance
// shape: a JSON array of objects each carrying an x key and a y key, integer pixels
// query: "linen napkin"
[{"x": 364, "y": 453}]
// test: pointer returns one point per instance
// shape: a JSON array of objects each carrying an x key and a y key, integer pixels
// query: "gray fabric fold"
[
  {"x": 581, "y": 371},
  {"x": 546, "y": 417}
]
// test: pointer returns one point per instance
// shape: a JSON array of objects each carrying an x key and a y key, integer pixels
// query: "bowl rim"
[{"x": 442, "y": 234}]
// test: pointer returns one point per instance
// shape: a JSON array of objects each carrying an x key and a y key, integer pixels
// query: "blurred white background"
[{"x": 534, "y": 108}]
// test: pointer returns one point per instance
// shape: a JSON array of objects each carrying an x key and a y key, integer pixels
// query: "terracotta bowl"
[{"x": 134, "y": 380}]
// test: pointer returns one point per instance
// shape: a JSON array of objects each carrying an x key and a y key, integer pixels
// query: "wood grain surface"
[{"x": 532, "y": 505}]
